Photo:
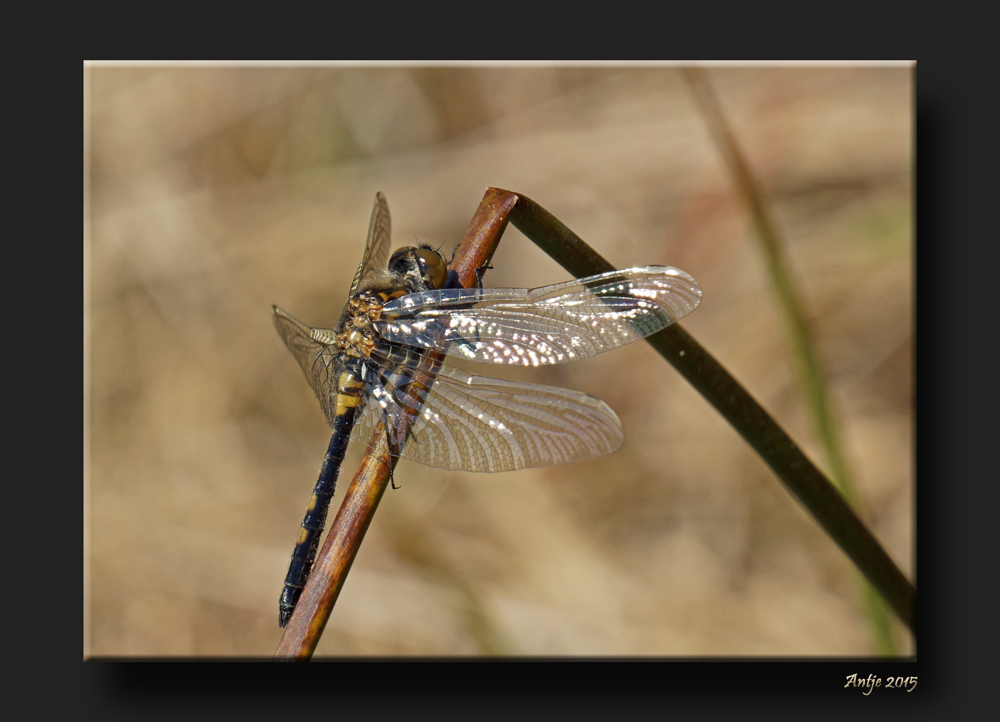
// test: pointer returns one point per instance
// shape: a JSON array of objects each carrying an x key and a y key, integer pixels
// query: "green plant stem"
[{"x": 790, "y": 300}]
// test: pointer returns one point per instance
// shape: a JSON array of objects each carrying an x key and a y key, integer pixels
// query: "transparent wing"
[
  {"x": 377, "y": 248},
  {"x": 545, "y": 325},
  {"x": 473, "y": 423},
  {"x": 312, "y": 348}
]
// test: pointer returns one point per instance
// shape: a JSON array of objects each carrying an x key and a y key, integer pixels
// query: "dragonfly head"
[{"x": 421, "y": 267}]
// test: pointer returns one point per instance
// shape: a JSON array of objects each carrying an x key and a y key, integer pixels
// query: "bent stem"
[
  {"x": 799, "y": 475},
  {"x": 811, "y": 375},
  {"x": 796, "y": 472}
]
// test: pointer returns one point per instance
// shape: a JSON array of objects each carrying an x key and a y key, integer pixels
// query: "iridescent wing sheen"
[
  {"x": 313, "y": 349},
  {"x": 377, "y": 248},
  {"x": 473, "y": 423},
  {"x": 547, "y": 325}
]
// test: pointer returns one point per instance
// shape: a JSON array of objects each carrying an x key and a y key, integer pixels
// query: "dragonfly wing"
[
  {"x": 547, "y": 325},
  {"x": 313, "y": 349},
  {"x": 473, "y": 423},
  {"x": 377, "y": 248}
]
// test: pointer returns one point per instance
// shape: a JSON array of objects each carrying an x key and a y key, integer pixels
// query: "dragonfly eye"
[
  {"x": 433, "y": 267},
  {"x": 425, "y": 261}
]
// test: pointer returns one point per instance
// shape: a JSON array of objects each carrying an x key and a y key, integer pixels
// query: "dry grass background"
[{"x": 217, "y": 191}]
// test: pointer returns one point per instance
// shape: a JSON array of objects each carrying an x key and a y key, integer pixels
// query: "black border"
[{"x": 951, "y": 187}]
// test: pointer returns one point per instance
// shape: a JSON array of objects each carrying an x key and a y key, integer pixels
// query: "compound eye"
[{"x": 433, "y": 267}]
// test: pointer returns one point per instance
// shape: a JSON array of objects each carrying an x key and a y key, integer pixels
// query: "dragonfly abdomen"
[{"x": 346, "y": 402}]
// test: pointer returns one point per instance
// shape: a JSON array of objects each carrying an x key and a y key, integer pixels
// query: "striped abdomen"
[{"x": 349, "y": 390}]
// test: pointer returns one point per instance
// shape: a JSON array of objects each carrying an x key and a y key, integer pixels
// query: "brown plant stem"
[
  {"x": 363, "y": 495},
  {"x": 792, "y": 467}
]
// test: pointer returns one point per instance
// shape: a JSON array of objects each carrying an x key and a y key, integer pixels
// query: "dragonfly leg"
[
  {"x": 479, "y": 274},
  {"x": 393, "y": 448}
]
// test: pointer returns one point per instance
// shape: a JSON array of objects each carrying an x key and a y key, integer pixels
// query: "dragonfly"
[{"x": 370, "y": 370}]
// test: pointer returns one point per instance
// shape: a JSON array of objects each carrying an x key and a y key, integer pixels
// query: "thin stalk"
[
  {"x": 799, "y": 475},
  {"x": 811, "y": 374}
]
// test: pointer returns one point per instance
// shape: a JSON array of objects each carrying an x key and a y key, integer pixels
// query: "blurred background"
[{"x": 212, "y": 192}]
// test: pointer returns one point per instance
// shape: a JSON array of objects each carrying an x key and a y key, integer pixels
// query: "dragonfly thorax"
[
  {"x": 411, "y": 270},
  {"x": 358, "y": 336}
]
